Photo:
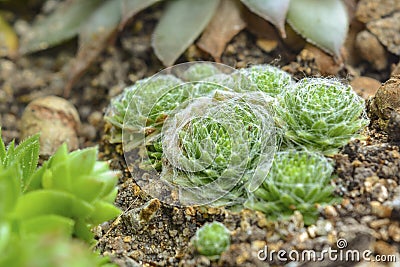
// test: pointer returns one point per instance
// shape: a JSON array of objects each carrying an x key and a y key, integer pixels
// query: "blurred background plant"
[
  {"x": 96, "y": 22},
  {"x": 41, "y": 209}
]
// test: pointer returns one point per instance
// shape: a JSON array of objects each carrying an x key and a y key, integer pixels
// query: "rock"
[
  {"x": 330, "y": 211},
  {"x": 380, "y": 210},
  {"x": 396, "y": 70},
  {"x": 371, "y": 50},
  {"x": 368, "y": 10},
  {"x": 394, "y": 232},
  {"x": 312, "y": 61},
  {"x": 386, "y": 101},
  {"x": 379, "y": 223},
  {"x": 56, "y": 119},
  {"x": 267, "y": 45},
  {"x": 387, "y": 30},
  {"x": 365, "y": 86},
  {"x": 383, "y": 248},
  {"x": 393, "y": 127}
]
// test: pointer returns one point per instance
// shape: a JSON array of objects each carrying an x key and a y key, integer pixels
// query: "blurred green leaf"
[
  {"x": 103, "y": 212},
  {"x": 323, "y": 23},
  {"x": 27, "y": 155},
  {"x": 61, "y": 25},
  {"x": 271, "y": 10},
  {"x": 42, "y": 202},
  {"x": 8, "y": 39},
  {"x": 47, "y": 223},
  {"x": 10, "y": 189},
  {"x": 181, "y": 23}
]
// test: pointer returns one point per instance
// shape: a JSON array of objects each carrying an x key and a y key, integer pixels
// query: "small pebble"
[
  {"x": 365, "y": 86},
  {"x": 380, "y": 210},
  {"x": 371, "y": 50},
  {"x": 56, "y": 119},
  {"x": 379, "y": 223}
]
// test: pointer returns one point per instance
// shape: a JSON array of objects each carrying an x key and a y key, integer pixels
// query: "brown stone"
[
  {"x": 371, "y": 50},
  {"x": 368, "y": 10},
  {"x": 55, "y": 119},
  {"x": 365, "y": 86},
  {"x": 387, "y": 30}
]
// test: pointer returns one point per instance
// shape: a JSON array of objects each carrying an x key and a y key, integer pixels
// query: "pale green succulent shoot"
[
  {"x": 41, "y": 209},
  {"x": 214, "y": 138},
  {"x": 134, "y": 102},
  {"x": 321, "y": 114},
  {"x": 199, "y": 72},
  {"x": 212, "y": 239},
  {"x": 269, "y": 79},
  {"x": 49, "y": 250},
  {"x": 298, "y": 180}
]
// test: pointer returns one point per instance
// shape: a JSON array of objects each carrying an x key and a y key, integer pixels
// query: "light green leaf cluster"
[
  {"x": 321, "y": 114},
  {"x": 298, "y": 180},
  {"x": 269, "y": 79},
  {"x": 65, "y": 197},
  {"x": 212, "y": 239},
  {"x": 215, "y": 144}
]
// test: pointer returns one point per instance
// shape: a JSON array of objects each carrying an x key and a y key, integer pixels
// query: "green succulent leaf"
[
  {"x": 59, "y": 26},
  {"x": 49, "y": 250},
  {"x": 10, "y": 189},
  {"x": 47, "y": 223},
  {"x": 181, "y": 23},
  {"x": 103, "y": 212},
  {"x": 323, "y": 23},
  {"x": 27, "y": 154},
  {"x": 271, "y": 10},
  {"x": 42, "y": 202}
]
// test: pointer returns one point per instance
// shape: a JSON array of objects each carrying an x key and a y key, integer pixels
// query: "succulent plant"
[
  {"x": 72, "y": 191},
  {"x": 219, "y": 147},
  {"x": 321, "y": 114},
  {"x": 67, "y": 196},
  {"x": 212, "y": 239},
  {"x": 323, "y": 23},
  {"x": 135, "y": 101},
  {"x": 214, "y": 137},
  {"x": 298, "y": 180},
  {"x": 49, "y": 250},
  {"x": 269, "y": 79}
]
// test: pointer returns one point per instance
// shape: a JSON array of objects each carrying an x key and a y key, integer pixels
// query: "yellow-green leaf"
[{"x": 8, "y": 39}]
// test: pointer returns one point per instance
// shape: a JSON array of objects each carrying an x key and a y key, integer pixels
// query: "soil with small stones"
[{"x": 150, "y": 233}]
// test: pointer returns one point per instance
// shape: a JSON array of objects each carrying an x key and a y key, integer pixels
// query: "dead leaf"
[
  {"x": 226, "y": 23},
  {"x": 94, "y": 36}
]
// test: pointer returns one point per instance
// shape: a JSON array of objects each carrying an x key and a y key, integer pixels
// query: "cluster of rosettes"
[{"x": 214, "y": 134}]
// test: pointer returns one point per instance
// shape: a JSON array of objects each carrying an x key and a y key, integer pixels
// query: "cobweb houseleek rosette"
[
  {"x": 321, "y": 114},
  {"x": 134, "y": 102},
  {"x": 269, "y": 79},
  {"x": 298, "y": 180},
  {"x": 217, "y": 149}
]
